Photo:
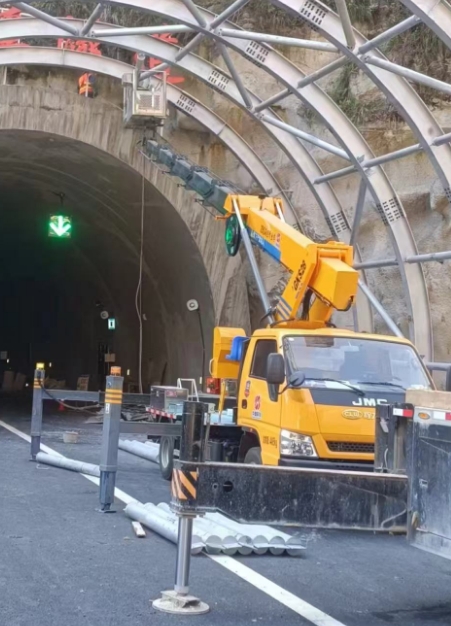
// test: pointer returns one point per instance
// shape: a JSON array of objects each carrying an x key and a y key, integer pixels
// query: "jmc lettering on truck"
[{"x": 369, "y": 401}]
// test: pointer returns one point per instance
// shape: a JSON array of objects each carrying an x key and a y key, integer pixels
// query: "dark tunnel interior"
[{"x": 52, "y": 290}]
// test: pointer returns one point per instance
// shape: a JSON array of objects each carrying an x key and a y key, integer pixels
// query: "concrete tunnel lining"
[{"x": 50, "y": 287}]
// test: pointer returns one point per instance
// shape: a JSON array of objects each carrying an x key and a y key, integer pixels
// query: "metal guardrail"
[{"x": 113, "y": 399}]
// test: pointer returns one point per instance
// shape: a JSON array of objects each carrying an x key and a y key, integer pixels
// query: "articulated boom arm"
[{"x": 322, "y": 269}]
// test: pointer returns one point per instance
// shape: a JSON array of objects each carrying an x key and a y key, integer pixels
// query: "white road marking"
[
  {"x": 288, "y": 599},
  {"x": 299, "y": 606}
]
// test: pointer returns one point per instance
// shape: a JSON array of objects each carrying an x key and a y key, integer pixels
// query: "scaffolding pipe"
[
  {"x": 390, "y": 33},
  {"x": 416, "y": 77},
  {"x": 142, "y": 30},
  {"x": 370, "y": 265},
  {"x": 254, "y": 265},
  {"x": 91, "y": 19},
  {"x": 194, "y": 10},
  {"x": 233, "y": 8},
  {"x": 342, "y": 10},
  {"x": 305, "y": 136},
  {"x": 75, "y": 466},
  {"x": 437, "y": 257},
  {"x": 277, "y": 39},
  {"x": 380, "y": 309},
  {"x": 235, "y": 75},
  {"x": 439, "y": 367},
  {"x": 380, "y": 160},
  {"x": 439, "y": 141},
  {"x": 310, "y": 78},
  {"x": 40, "y": 15},
  {"x": 358, "y": 212}
]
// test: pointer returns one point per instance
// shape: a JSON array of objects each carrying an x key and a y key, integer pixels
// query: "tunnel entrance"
[{"x": 53, "y": 290}]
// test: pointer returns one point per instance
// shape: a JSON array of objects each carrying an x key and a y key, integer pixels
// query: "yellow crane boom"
[{"x": 322, "y": 270}]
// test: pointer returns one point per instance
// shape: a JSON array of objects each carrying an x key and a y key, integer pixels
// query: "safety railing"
[{"x": 112, "y": 400}]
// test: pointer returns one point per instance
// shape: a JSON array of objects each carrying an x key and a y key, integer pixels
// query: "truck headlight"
[{"x": 294, "y": 444}]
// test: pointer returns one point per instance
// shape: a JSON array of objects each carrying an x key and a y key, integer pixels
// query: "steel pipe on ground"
[
  {"x": 155, "y": 519},
  {"x": 143, "y": 450},
  {"x": 274, "y": 540},
  {"x": 75, "y": 466},
  {"x": 221, "y": 534},
  {"x": 215, "y": 539}
]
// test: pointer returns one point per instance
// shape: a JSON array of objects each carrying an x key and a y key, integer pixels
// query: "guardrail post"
[
  {"x": 110, "y": 441},
  {"x": 36, "y": 413},
  {"x": 192, "y": 442}
]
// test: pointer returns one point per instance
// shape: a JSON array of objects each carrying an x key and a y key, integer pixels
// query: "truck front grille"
[{"x": 349, "y": 446}]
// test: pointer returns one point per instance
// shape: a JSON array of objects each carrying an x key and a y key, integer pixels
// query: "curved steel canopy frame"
[{"x": 353, "y": 48}]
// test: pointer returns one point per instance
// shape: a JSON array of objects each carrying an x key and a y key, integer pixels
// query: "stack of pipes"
[{"x": 218, "y": 534}]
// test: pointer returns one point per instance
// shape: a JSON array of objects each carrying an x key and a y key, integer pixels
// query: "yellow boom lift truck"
[{"x": 306, "y": 390}]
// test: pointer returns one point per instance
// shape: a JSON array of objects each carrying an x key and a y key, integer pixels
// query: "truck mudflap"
[{"x": 300, "y": 497}]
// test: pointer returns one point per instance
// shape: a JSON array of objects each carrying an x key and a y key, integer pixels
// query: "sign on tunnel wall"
[{"x": 60, "y": 226}]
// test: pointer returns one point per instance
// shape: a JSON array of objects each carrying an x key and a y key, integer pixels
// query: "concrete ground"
[{"x": 63, "y": 562}]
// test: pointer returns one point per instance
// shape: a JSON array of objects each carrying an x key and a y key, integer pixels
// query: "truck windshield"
[{"x": 358, "y": 361}]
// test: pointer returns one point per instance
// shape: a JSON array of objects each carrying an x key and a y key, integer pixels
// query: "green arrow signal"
[{"x": 60, "y": 226}]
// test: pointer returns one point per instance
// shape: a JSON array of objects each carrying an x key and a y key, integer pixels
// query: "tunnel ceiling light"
[
  {"x": 112, "y": 323},
  {"x": 60, "y": 226}
]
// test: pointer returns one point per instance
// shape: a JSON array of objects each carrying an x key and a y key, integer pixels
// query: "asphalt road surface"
[{"x": 62, "y": 562}]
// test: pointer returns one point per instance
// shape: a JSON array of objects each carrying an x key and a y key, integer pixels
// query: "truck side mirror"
[{"x": 275, "y": 374}]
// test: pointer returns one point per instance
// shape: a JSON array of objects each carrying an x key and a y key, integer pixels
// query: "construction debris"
[{"x": 138, "y": 530}]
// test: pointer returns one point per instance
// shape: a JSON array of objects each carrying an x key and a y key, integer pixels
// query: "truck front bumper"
[{"x": 348, "y": 466}]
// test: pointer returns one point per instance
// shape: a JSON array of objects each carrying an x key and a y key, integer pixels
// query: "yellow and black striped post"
[
  {"x": 36, "y": 413},
  {"x": 110, "y": 441},
  {"x": 184, "y": 486}
]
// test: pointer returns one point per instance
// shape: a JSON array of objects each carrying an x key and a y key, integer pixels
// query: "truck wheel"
[
  {"x": 253, "y": 456},
  {"x": 166, "y": 457}
]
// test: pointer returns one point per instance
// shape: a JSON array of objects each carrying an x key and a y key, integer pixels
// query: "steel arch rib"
[
  {"x": 221, "y": 82},
  {"x": 180, "y": 99}
]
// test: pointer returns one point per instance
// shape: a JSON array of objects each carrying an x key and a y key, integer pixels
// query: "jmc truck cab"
[{"x": 307, "y": 398}]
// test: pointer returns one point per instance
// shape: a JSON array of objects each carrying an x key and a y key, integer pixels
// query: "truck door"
[{"x": 255, "y": 410}]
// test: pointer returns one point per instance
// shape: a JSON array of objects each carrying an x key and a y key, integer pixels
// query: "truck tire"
[
  {"x": 253, "y": 456},
  {"x": 166, "y": 457}
]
